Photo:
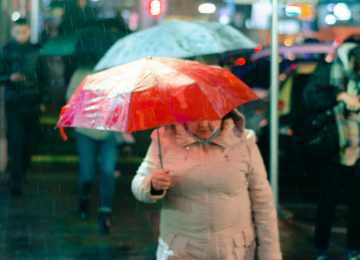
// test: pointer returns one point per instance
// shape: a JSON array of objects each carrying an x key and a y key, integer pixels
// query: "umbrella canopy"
[
  {"x": 175, "y": 39},
  {"x": 153, "y": 92},
  {"x": 89, "y": 41}
]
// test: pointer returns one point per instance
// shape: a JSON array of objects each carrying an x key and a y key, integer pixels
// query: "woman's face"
[
  {"x": 203, "y": 129},
  {"x": 82, "y": 3}
]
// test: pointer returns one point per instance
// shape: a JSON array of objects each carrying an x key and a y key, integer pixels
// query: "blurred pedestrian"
[
  {"x": 25, "y": 76},
  {"x": 335, "y": 87},
  {"x": 49, "y": 30},
  {"x": 92, "y": 144},
  {"x": 77, "y": 14},
  {"x": 216, "y": 199}
]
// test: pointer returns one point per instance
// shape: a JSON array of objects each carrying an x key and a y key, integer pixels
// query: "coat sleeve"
[
  {"x": 43, "y": 73},
  {"x": 4, "y": 74},
  {"x": 141, "y": 183},
  {"x": 264, "y": 211},
  {"x": 318, "y": 94}
]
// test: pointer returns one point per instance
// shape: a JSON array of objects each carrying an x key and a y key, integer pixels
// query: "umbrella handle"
[
  {"x": 62, "y": 133},
  {"x": 160, "y": 157}
]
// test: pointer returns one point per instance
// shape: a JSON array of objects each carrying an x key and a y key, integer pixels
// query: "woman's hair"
[{"x": 231, "y": 114}]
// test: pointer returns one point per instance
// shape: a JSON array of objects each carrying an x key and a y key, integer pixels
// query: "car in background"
[
  {"x": 296, "y": 64},
  {"x": 255, "y": 70},
  {"x": 257, "y": 76},
  {"x": 307, "y": 51},
  {"x": 292, "y": 83}
]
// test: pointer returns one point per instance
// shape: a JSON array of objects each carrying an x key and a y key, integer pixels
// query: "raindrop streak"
[
  {"x": 82, "y": 44},
  {"x": 45, "y": 250}
]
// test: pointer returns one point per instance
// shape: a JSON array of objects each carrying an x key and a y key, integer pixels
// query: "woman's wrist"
[{"x": 155, "y": 192}]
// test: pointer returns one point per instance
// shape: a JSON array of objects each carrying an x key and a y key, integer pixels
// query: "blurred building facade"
[{"x": 298, "y": 19}]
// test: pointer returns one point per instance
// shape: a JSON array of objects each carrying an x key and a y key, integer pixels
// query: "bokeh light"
[
  {"x": 241, "y": 62},
  {"x": 207, "y": 8},
  {"x": 288, "y": 42},
  {"x": 15, "y": 16}
]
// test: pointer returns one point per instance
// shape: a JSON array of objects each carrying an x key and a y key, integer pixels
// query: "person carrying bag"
[{"x": 330, "y": 137}]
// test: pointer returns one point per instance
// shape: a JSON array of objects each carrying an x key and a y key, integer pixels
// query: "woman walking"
[
  {"x": 92, "y": 144},
  {"x": 216, "y": 200}
]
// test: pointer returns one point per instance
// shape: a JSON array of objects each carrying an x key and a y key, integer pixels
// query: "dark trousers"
[
  {"x": 22, "y": 132},
  {"x": 89, "y": 150},
  {"x": 330, "y": 176}
]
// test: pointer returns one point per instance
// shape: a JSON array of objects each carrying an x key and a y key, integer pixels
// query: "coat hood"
[
  {"x": 343, "y": 54},
  {"x": 233, "y": 131}
]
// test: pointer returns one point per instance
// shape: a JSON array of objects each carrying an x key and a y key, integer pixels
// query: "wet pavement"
[{"x": 40, "y": 224}]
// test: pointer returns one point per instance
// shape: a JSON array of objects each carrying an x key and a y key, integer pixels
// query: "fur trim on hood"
[
  {"x": 231, "y": 130},
  {"x": 237, "y": 117},
  {"x": 239, "y": 122}
]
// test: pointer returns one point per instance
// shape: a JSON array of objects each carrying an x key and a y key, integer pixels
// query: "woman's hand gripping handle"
[{"x": 160, "y": 181}]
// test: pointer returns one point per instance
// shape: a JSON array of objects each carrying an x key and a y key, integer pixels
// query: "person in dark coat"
[
  {"x": 24, "y": 74},
  {"x": 333, "y": 86},
  {"x": 77, "y": 14}
]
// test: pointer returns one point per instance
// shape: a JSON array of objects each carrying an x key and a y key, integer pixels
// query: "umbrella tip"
[{"x": 149, "y": 57}]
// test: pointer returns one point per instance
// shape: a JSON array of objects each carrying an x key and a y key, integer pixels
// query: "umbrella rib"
[
  {"x": 197, "y": 87},
  {"x": 127, "y": 123},
  {"x": 212, "y": 107}
]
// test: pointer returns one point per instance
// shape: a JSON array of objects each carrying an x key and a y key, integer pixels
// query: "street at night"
[{"x": 179, "y": 130}]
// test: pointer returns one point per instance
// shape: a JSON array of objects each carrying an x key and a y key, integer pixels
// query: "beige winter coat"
[{"x": 208, "y": 212}]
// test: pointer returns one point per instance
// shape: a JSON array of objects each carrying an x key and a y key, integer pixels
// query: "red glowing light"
[
  {"x": 259, "y": 48},
  {"x": 338, "y": 40},
  {"x": 241, "y": 61},
  {"x": 292, "y": 66},
  {"x": 281, "y": 105}
]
